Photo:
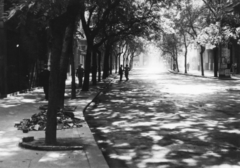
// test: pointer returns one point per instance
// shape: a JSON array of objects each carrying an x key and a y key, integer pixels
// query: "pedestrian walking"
[
  {"x": 126, "y": 72},
  {"x": 174, "y": 66},
  {"x": 120, "y": 71},
  {"x": 234, "y": 68},
  {"x": 44, "y": 80},
  {"x": 79, "y": 74}
]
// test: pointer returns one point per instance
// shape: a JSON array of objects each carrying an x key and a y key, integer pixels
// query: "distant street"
[{"x": 159, "y": 119}]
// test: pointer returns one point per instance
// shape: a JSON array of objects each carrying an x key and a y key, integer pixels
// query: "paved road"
[{"x": 170, "y": 121}]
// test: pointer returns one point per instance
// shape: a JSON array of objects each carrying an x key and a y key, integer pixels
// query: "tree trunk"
[
  {"x": 62, "y": 88},
  {"x": 73, "y": 84},
  {"x": 94, "y": 68},
  {"x": 58, "y": 27},
  {"x": 58, "y": 67},
  {"x": 176, "y": 59},
  {"x": 201, "y": 55},
  {"x": 67, "y": 52},
  {"x": 64, "y": 61},
  {"x": 106, "y": 61},
  {"x": 99, "y": 65},
  {"x": 131, "y": 61},
  {"x": 71, "y": 57},
  {"x": 185, "y": 54},
  {"x": 116, "y": 63},
  {"x": 185, "y": 59},
  {"x": 32, "y": 76},
  {"x": 124, "y": 57},
  {"x": 215, "y": 62},
  {"x": 119, "y": 60},
  {"x": 87, "y": 65},
  {"x": 111, "y": 62}
]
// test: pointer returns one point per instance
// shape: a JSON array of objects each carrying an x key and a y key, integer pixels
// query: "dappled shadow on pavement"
[{"x": 160, "y": 123}]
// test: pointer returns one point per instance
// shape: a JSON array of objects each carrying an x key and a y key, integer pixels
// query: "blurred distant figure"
[
  {"x": 234, "y": 67},
  {"x": 79, "y": 74},
  {"x": 44, "y": 80},
  {"x": 174, "y": 66},
  {"x": 188, "y": 66},
  {"x": 126, "y": 72},
  {"x": 120, "y": 71}
]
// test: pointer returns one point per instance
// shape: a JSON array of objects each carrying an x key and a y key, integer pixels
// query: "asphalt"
[
  {"x": 168, "y": 120},
  {"x": 79, "y": 150}
]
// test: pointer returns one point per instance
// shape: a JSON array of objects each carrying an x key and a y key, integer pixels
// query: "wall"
[{"x": 194, "y": 59}]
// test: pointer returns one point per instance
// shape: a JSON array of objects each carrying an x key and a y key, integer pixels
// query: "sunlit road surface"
[{"x": 162, "y": 120}]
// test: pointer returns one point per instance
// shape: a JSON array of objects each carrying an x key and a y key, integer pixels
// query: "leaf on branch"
[
  {"x": 31, "y": 4},
  {"x": 11, "y": 14}
]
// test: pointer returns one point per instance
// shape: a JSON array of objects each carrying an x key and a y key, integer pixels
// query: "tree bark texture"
[
  {"x": 116, "y": 63},
  {"x": 119, "y": 60},
  {"x": 176, "y": 59},
  {"x": 111, "y": 62},
  {"x": 106, "y": 61},
  {"x": 185, "y": 60},
  {"x": 99, "y": 65},
  {"x": 185, "y": 54},
  {"x": 58, "y": 27},
  {"x": 131, "y": 61},
  {"x": 215, "y": 62},
  {"x": 73, "y": 84},
  {"x": 201, "y": 55},
  {"x": 87, "y": 65},
  {"x": 58, "y": 67},
  {"x": 70, "y": 56},
  {"x": 237, "y": 52},
  {"x": 64, "y": 62},
  {"x": 94, "y": 68}
]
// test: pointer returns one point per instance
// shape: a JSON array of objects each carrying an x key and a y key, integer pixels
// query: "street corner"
[{"x": 63, "y": 144}]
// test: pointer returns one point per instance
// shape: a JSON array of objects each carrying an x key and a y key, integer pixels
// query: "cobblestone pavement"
[{"x": 163, "y": 120}]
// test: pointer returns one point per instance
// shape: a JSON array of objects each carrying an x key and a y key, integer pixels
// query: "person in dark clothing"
[
  {"x": 126, "y": 72},
  {"x": 79, "y": 74},
  {"x": 44, "y": 79},
  {"x": 120, "y": 71}
]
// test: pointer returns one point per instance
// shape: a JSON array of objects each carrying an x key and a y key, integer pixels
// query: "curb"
[
  {"x": 31, "y": 145},
  {"x": 107, "y": 150},
  {"x": 95, "y": 97},
  {"x": 104, "y": 148},
  {"x": 179, "y": 73},
  {"x": 48, "y": 148}
]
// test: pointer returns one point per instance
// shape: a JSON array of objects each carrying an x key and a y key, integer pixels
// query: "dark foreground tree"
[{"x": 57, "y": 15}]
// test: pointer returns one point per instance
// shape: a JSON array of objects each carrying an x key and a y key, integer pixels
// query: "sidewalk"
[
  {"x": 207, "y": 74},
  {"x": 16, "y": 108}
]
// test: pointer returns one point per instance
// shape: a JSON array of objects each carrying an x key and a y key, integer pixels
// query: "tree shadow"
[{"x": 148, "y": 129}]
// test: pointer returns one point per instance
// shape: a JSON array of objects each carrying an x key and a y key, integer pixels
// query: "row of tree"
[
  {"x": 111, "y": 27},
  {"x": 205, "y": 23}
]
